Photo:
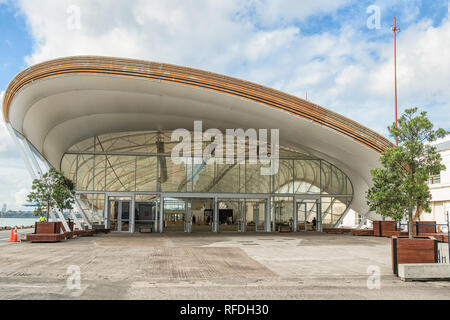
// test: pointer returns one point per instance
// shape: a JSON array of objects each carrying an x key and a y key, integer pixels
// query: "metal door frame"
[
  {"x": 119, "y": 214},
  {"x": 298, "y": 199}
]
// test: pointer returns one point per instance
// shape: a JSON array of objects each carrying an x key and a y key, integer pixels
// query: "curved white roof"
[{"x": 60, "y": 103}]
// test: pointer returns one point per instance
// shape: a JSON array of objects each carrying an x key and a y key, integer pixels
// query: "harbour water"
[{"x": 11, "y": 222}]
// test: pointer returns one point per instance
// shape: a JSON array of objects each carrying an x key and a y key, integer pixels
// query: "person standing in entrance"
[
  {"x": 314, "y": 223},
  {"x": 42, "y": 219}
]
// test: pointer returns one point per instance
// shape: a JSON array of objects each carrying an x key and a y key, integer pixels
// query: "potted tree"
[
  {"x": 400, "y": 185},
  {"x": 52, "y": 190}
]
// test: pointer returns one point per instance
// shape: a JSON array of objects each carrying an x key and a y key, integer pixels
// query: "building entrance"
[
  {"x": 188, "y": 215},
  {"x": 308, "y": 217},
  {"x": 242, "y": 215},
  {"x": 119, "y": 214}
]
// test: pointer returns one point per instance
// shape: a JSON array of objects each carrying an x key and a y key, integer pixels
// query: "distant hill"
[
  {"x": 18, "y": 214},
  {"x": 26, "y": 215}
]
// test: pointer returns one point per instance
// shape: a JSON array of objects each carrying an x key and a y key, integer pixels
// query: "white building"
[{"x": 440, "y": 187}]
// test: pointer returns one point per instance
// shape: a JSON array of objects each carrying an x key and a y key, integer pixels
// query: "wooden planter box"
[
  {"x": 333, "y": 230},
  {"x": 337, "y": 230},
  {"x": 380, "y": 228},
  {"x": 417, "y": 250},
  {"x": 391, "y": 234},
  {"x": 423, "y": 227},
  {"x": 440, "y": 237},
  {"x": 46, "y": 238},
  {"x": 47, "y": 228},
  {"x": 284, "y": 229},
  {"x": 105, "y": 231},
  {"x": 363, "y": 232}
]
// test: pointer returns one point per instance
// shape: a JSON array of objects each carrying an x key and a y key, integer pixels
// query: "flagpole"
[{"x": 395, "y": 29}]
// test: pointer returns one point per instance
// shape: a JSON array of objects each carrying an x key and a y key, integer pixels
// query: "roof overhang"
[{"x": 61, "y": 102}]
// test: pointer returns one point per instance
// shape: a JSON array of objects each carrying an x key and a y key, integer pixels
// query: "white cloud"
[
  {"x": 13, "y": 175},
  {"x": 266, "y": 43},
  {"x": 4, "y": 137},
  {"x": 259, "y": 40},
  {"x": 21, "y": 197},
  {"x": 270, "y": 13}
]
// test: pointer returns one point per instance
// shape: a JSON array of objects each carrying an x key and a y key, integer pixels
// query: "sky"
[{"x": 339, "y": 51}]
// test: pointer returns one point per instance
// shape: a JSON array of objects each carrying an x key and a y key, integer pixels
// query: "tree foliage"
[
  {"x": 52, "y": 191},
  {"x": 400, "y": 185}
]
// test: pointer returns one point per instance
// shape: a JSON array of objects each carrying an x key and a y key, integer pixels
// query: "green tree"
[
  {"x": 400, "y": 186},
  {"x": 52, "y": 190}
]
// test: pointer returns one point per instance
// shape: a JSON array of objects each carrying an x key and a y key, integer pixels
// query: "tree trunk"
[{"x": 410, "y": 222}]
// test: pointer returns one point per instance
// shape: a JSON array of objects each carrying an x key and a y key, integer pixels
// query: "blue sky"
[
  {"x": 324, "y": 47},
  {"x": 16, "y": 43}
]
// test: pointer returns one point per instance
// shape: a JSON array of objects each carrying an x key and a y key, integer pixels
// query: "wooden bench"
[
  {"x": 284, "y": 229},
  {"x": 46, "y": 238}
]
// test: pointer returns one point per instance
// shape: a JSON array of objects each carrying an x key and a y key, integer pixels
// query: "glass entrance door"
[
  {"x": 233, "y": 215},
  {"x": 308, "y": 218},
  {"x": 259, "y": 213},
  {"x": 188, "y": 216},
  {"x": 119, "y": 214},
  {"x": 242, "y": 216},
  {"x": 283, "y": 214},
  {"x": 146, "y": 213}
]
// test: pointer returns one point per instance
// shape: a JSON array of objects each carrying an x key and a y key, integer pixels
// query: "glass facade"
[{"x": 140, "y": 162}]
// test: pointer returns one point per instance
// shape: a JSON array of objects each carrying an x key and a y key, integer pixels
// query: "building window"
[{"x": 436, "y": 179}]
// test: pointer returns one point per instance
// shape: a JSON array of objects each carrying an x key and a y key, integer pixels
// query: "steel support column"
[
  {"x": 319, "y": 215},
  {"x": 63, "y": 220},
  {"x": 267, "y": 224},
  {"x": 22, "y": 152},
  {"x": 216, "y": 215},
  {"x": 161, "y": 214},
  {"x": 76, "y": 221},
  {"x": 156, "y": 216},
  {"x": 30, "y": 154},
  {"x": 52, "y": 216},
  {"x": 83, "y": 215},
  {"x": 132, "y": 215},
  {"x": 295, "y": 216}
]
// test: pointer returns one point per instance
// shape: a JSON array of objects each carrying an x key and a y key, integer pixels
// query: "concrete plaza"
[{"x": 226, "y": 266}]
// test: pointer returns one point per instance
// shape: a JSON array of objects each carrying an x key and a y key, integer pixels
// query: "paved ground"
[{"x": 206, "y": 266}]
